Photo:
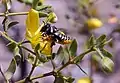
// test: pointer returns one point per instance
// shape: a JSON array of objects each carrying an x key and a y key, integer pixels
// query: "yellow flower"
[
  {"x": 84, "y": 80},
  {"x": 94, "y": 23},
  {"x": 33, "y": 33}
]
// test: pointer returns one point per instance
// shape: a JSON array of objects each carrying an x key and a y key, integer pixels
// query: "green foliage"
[{"x": 66, "y": 54}]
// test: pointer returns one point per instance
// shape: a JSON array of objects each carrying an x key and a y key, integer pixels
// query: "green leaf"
[
  {"x": 29, "y": 2},
  {"x": 11, "y": 69},
  {"x": 11, "y": 46},
  {"x": 100, "y": 40},
  {"x": 106, "y": 53},
  {"x": 107, "y": 64},
  {"x": 73, "y": 48},
  {"x": 35, "y": 4},
  {"x": 12, "y": 23},
  {"x": 91, "y": 42},
  {"x": 43, "y": 7},
  {"x": 5, "y": 23},
  {"x": 37, "y": 47}
]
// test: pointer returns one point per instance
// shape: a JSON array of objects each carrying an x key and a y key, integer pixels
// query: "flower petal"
[{"x": 32, "y": 21}]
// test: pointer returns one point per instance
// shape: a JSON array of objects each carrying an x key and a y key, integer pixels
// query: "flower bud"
[{"x": 107, "y": 64}]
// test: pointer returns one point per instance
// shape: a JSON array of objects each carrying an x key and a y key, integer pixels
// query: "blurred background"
[{"x": 71, "y": 19}]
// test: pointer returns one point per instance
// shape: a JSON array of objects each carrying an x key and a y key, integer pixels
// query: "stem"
[
  {"x": 28, "y": 50},
  {"x": 14, "y": 14},
  {"x": 63, "y": 66},
  {"x": 36, "y": 77},
  {"x": 53, "y": 64},
  {"x": 82, "y": 55},
  {"x": 7, "y": 37},
  {"x": 74, "y": 59},
  {"x": 99, "y": 52},
  {"x": 41, "y": 76},
  {"x": 33, "y": 67},
  {"x": 4, "y": 75}
]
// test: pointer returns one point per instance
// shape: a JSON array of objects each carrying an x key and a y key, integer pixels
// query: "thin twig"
[
  {"x": 36, "y": 77},
  {"x": 33, "y": 67},
  {"x": 14, "y": 14},
  {"x": 7, "y": 37},
  {"x": 28, "y": 50},
  {"x": 3, "y": 75}
]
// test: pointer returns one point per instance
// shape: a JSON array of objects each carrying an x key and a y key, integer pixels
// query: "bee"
[{"x": 54, "y": 34}]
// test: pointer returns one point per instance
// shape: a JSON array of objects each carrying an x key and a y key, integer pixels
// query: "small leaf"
[
  {"x": 12, "y": 23},
  {"x": 43, "y": 7},
  {"x": 35, "y": 4},
  {"x": 5, "y": 23},
  {"x": 106, "y": 53},
  {"x": 91, "y": 42},
  {"x": 100, "y": 40},
  {"x": 11, "y": 46},
  {"x": 29, "y": 2},
  {"x": 73, "y": 48},
  {"x": 11, "y": 69},
  {"x": 37, "y": 47}
]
